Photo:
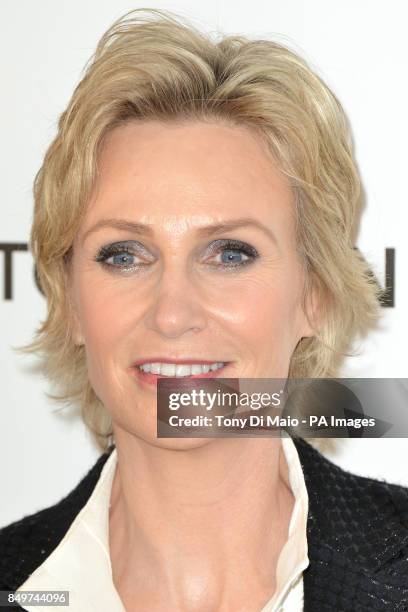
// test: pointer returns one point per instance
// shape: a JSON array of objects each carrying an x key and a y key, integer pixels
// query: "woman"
[{"x": 194, "y": 216}]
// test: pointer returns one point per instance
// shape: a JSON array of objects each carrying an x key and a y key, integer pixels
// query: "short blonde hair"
[{"x": 151, "y": 64}]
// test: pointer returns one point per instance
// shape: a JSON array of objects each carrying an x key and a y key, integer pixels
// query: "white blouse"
[{"x": 81, "y": 563}]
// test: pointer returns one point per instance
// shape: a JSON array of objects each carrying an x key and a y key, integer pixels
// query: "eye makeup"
[
  {"x": 227, "y": 246},
  {"x": 124, "y": 251},
  {"x": 127, "y": 249}
]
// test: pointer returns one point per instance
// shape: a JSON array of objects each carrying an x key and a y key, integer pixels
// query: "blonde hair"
[{"x": 151, "y": 64}]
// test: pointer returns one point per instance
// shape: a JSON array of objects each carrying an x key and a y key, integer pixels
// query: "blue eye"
[
  {"x": 131, "y": 255},
  {"x": 120, "y": 259},
  {"x": 121, "y": 256},
  {"x": 233, "y": 256}
]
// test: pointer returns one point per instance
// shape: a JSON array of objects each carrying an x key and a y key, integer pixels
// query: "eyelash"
[{"x": 218, "y": 246}]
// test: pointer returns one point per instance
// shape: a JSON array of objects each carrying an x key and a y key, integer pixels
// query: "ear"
[
  {"x": 314, "y": 308},
  {"x": 73, "y": 314},
  {"x": 76, "y": 328}
]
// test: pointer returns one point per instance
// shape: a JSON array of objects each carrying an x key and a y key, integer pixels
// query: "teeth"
[
  {"x": 180, "y": 369},
  {"x": 168, "y": 369}
]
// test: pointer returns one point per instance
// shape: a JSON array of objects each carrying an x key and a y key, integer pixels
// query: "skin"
[{"x": 187, "y": 530}]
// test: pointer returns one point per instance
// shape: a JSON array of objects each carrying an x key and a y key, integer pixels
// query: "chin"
[
  {"x": 179, "y": 444},
  {"x": 148, "y": 436}
]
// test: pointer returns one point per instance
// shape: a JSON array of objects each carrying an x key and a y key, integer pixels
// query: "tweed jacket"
[{"x": 357, "y": 532}]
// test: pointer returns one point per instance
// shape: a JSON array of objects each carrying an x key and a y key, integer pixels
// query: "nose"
[{"x": 178, "y": 305}]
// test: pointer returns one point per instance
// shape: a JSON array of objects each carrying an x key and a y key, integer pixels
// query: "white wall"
[{"x": 360, "y": 48}]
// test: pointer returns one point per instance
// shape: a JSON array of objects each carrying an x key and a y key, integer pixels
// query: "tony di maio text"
[{"x": 269, "y": 421}]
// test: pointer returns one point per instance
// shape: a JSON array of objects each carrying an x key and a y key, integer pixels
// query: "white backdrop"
[{"x": 360, "y": 48}]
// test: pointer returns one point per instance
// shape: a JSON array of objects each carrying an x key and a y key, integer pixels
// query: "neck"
[{"x": 211, "y": 518}]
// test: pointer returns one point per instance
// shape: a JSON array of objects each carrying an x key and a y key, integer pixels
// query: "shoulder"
[
  {"x": 363, "y": 520},
  {"x": 26, "y": 543},
  {"x": 325, "y": 478}
]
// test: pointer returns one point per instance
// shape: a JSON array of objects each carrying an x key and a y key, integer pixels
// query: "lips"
[
  {"x": 151, "y": 379},
  {"x": 180, "y": 360}
]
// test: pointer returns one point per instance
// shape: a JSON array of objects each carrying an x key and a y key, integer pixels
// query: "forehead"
[{"x": 190, "y": 167}]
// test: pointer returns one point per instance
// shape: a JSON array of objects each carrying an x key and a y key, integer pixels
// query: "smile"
[
  {"x": 149, "y": 372},
  {"x": 180, "y": 369}
]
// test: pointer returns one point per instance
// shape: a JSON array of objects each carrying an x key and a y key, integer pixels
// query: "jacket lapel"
[{"x": 357, "y": 532}]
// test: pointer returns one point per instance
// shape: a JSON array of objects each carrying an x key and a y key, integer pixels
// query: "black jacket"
[{"x": 357, "y": 531}]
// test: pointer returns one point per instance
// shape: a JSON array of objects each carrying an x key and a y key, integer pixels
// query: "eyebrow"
[
  {"x": 143, "y": 229},
  {"x": 120, "y": 224}
]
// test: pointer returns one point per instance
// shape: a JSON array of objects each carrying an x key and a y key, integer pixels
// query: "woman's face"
[{"x": 187, "y": 252}]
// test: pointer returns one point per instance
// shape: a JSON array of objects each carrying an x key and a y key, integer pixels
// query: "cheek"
[
  {"x": 106, "y": 310},
  {"x": 263, "y": 310},
  {"x": 107, "y": 319},
  {"x": 99, "y": 318}
]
